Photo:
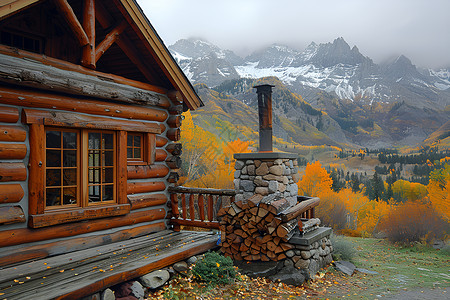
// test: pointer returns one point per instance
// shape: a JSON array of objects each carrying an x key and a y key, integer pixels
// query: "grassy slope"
[{"x": 400, "y": 269}]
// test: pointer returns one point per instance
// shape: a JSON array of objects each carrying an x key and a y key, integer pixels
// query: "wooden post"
[
  {"x": 183, "y": 206},
  {"x": 88, "y": 55}
]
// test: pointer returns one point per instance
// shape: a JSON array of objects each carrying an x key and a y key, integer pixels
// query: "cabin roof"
[{"x": 155, "y": 55}]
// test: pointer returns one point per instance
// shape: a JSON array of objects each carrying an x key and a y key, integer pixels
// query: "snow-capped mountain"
[
  {"x": 373, "y": 105},
  {"x": 332, "y": 67}
]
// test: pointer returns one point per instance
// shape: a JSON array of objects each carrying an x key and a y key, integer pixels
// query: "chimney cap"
[{"x": 263, "y": 85}]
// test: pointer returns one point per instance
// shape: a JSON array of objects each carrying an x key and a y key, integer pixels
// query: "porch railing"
[{"x": 198, "y": 207}]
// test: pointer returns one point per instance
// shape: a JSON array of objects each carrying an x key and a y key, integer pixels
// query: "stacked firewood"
[{"x": 260, "y": 227}]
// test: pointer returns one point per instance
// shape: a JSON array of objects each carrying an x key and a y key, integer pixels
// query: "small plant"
[
  {"x": 214, "y": 269},
  {"x": 342, "y": 248}
]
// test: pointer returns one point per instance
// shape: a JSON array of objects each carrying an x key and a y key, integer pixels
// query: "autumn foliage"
[
  {"x": 207, "y": 160},
  {"x": 422, "y": 213},
  {"x": 413, "y": 222}
]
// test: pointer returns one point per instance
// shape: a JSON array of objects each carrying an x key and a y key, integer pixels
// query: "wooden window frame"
[
  {"x": 148, "y": 149},
  {"x": 38, "y": 120}
]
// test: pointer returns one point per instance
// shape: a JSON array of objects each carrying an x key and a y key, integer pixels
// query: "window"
[
  {"x": 67, "y": 150},
  {"x": 135, "y": 146},
  {"x": 140, "y": 148},
  {"x": 61, "y": 168},
  {"x": 78, "y": 165}
]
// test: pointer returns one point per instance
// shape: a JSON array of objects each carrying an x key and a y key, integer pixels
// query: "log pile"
[{"x": 260, "y": 227}]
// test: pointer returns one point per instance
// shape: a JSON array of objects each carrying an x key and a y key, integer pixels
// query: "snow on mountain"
[
  {"x": 332, "y": 67},
  {"x": 441, "y": 78}
]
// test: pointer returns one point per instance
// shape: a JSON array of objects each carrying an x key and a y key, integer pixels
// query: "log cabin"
[{"x": 90, "y": 113}]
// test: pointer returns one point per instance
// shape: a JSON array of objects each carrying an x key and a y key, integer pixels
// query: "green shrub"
[
  {"x": 342, "y": 248},
  {"x": 214, "y": 269}
]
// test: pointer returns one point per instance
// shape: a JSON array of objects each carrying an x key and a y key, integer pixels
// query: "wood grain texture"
[
  {"x": 147, "y": 171},
  {"x": 12, "y": 172},
  {"x": 11, "y": 193},
  {"x": 11, "y": 215},
  {"x": 75, "y": 244},
  {"x": 29, "y": 235},
  {"x": 66, "y": 119},
  {"x": 13, "y": 151},
  {"x": 145, "y": 187},
  {"x": 11, "y": 133},
  {"x": 9, "y": 114},
  {"x": 44, "y": 100}
]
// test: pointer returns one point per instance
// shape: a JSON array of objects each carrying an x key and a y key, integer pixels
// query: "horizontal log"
[
  {"x": 145, "y": 187},
  {"x": 12, "y": 133},
  {"x": 9, "y": 114},
  {"x": 163, "y": 127},
  {"x": 195, "y": 223},
  {"x": 174, "y": 134},
  {"x": 62, "y": 64},
  {"x": 175, "y": 97},
  {"x": 13, "y": 151},
  {"x": 11, "y": 215},
  {"x": 174, "y": 162},
  {"x": 148, "y": 200},
  {"x": 11, "y": 193},
  {"x": 66, "y": 119},
  {"x": 173, "y": 177},
  {"x": 174, "y": 148},
  {"x": 29, "y": 235},
  {"x": 174, "y": 121},
  {"x": 12, "y": 172},
  {"x": 39, "y": 99},
  {"x": 146, "y": 171},
  {"x": 298, "y": 209},
  {"x": 189, "y": 190},
  {"x": 87, "y": 213},
  {"x": 76, "y": 244},
  {"x": 160, "y": 141},
  {"x": 38, "y": 75},
  {"x": 160, "y": 155},
  {"x": 176, "y": 109}
]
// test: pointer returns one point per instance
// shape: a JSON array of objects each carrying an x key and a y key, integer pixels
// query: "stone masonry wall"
[
  {"x": 312, "y": 257},
  {"x": 265, "y": 177}
]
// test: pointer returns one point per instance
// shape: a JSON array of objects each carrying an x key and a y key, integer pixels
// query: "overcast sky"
[{"x": 381, "y": 29}]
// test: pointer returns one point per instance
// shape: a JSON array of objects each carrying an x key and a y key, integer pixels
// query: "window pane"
[
  {"x": 70, "y": 177},
  {"x": 137, "y": 152},
  {"x": 53, "y": 197},
  {"x": 137, "y": 141},
  {"x": 94, "y": 176},
  {"x": 94, "y": 193},
  {"x": 70, "y": 196},
  {"x": 108, "y": 193},
  {"x": 108, "y": 141},
  {"x": 94, "y": 158},
  {"x": 70, "y": 158},
  {"x": 53, "y": 158},
  {"x": 129, "y": 152},
  {"x": 94, "y": 140},
  {"x": 53, "y": 139},
  {"x": 69, "y": 140},
  {"x": 53, "y": 177},
  {"x": 108, "y": 175},
  {"x": 129, "y": 140},
  {"x": 108, "y": 158}
]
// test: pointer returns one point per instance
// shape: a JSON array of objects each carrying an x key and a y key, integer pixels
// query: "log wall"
[
  {"x": 145, "y": 185},
  {"x": 13, "y": 173}
]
